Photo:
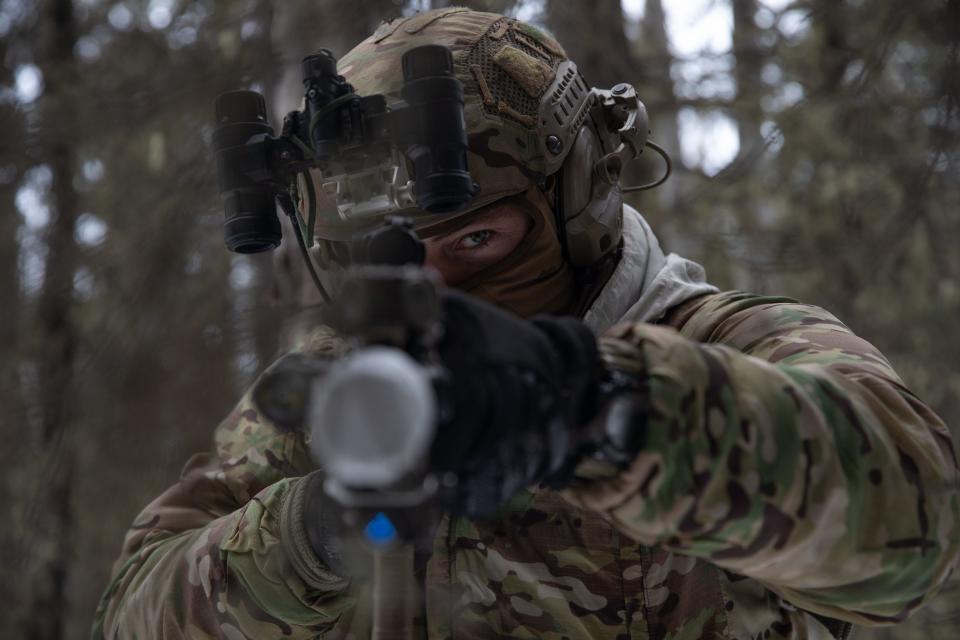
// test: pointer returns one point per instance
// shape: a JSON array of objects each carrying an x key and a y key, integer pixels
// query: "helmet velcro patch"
[
  {"x": 552, "y": 45},
  {"x": 531, "y": 74},
  {"x": 533, "y": 45}
]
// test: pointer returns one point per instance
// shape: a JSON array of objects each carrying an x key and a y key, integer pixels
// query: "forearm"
[
  {"x": 231, "y": 575},
  {"x": 830, "y": 483},
  {"x": 218, "y": 549}
]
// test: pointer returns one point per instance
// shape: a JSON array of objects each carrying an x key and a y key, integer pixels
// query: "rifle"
[{"x": 371, "y": 416}]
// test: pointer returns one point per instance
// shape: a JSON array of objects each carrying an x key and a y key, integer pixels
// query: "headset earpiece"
[{"x": 590, "y": 196}]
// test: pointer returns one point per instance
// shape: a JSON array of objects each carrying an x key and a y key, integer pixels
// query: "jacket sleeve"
[
  {"x": 779, "y": 445},
  {"x": 222, "y": 553}
]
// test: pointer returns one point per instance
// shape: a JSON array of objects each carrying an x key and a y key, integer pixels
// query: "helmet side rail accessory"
[
  {"x": 627, "y": 116},
  {"x": 604, "y": 129},
  {"x": 374, "y": 159}
]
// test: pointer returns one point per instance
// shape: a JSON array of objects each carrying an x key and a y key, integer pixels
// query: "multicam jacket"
[{"x": 786, "y": 477}]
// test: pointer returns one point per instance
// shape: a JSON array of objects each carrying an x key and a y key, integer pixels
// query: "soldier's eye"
[{"x": 475, "y": 240}]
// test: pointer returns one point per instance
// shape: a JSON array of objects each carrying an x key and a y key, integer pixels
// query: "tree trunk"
[
  {"x": 748, "y": 57},
  {"x": 302, "y": 29},
  {"x": 490, "y": 6},
  {"x": 604, "y": 61},
  {"x": 829, "y": 20},
  {"x": 655, "y": 86},
  {"x": 747, "y": 113},
  {"x": 266, "y": 317},
  {"x": 11, "y": 397},
  {"x": 57, "y": 344}
]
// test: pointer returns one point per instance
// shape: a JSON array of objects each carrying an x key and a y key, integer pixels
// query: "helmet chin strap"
[{"x": 555, "y": 196}]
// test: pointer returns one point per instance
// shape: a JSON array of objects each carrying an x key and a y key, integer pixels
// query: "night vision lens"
[
  {"x": 439, "y": 156},
  {"x": 250, "y": 224}
]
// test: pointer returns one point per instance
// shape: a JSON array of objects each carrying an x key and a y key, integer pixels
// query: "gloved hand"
[{"x": 517, "y": 393}]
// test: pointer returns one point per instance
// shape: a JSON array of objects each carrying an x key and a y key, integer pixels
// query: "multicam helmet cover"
[{"x": 524, "y": 102}]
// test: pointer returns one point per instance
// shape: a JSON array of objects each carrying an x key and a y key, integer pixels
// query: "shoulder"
[
  {"x": 705, "y": 317},
  {"x": 776, "y": 328}
]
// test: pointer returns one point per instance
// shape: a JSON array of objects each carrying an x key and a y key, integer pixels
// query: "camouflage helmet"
[{"x": 528, "y": 111}]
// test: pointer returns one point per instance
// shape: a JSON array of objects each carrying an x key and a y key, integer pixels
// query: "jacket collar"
[{"x": 646, "y": 283}]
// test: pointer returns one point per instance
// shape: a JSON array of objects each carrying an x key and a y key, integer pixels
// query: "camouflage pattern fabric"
[{"x": 784, "y": 471}]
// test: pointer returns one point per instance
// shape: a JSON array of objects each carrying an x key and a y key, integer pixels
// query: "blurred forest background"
[{"x": 817, "y": 156}]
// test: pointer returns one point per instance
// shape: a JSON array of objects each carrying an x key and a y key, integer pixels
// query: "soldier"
[{"x": 760, "y": 471}]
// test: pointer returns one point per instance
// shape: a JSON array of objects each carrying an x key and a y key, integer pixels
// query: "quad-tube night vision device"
[{"x": 375, "y": 158}]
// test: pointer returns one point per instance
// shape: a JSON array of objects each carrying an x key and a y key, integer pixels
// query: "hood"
[{"x": 646, "y": 283}]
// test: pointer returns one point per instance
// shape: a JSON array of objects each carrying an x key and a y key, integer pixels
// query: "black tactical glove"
[{"x": 517, "y": 393}]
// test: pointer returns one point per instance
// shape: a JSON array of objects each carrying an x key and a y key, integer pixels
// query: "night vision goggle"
[{"x": 375, "y": 160}]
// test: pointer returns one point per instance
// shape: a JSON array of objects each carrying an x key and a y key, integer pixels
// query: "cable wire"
[
  {"x": 286, "y": 203},
  {"x": 650, "y": 185}
]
